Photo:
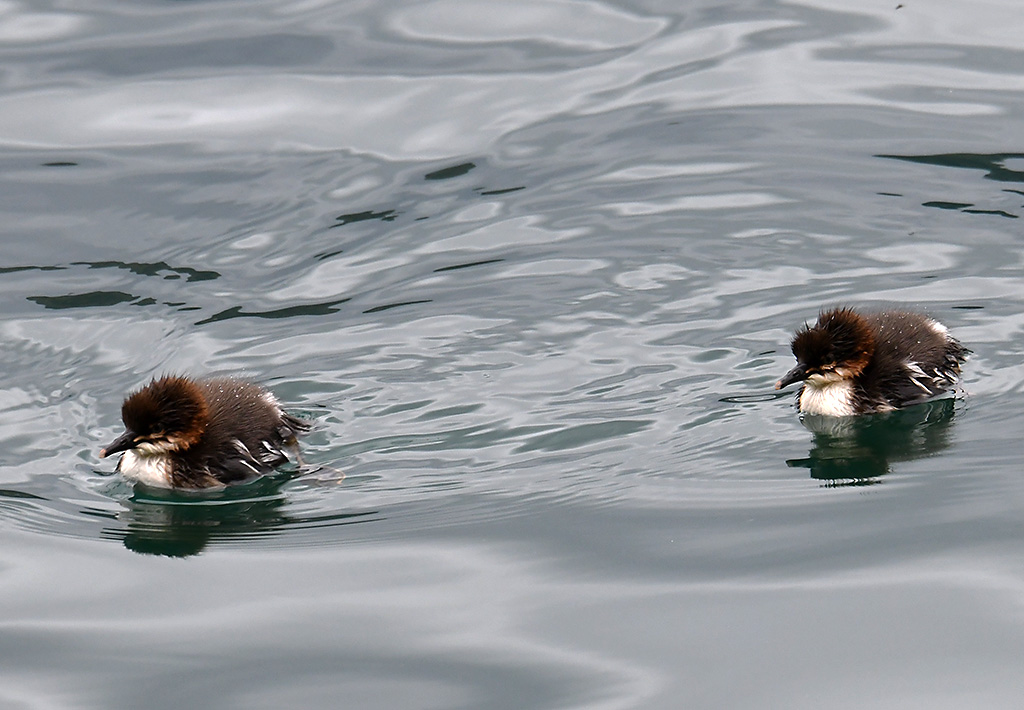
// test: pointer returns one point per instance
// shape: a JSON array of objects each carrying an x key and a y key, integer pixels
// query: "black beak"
[
  {"x": 122, "y": 443},
  {"x": 797, "y": 374}
]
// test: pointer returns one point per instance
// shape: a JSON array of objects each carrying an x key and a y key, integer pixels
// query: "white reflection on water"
[
  {"x": 514, "y": 232},
  {"x": 736, "y": 200},
  {"x": 454, "y": 624},
  {"x": 580, "y": 25},
  {"x": 457, "y": 112},
  {"x": 439, "y": 624},
  {"x": 19, "y": 25}
]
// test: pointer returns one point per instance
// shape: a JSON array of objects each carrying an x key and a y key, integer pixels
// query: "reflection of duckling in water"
[
  {"x": 180, "y": 524},
  {"x": 852, "y": 363},
  {"x": 202, "y": 433},
  {"x": 176, "y": 523},
  {"x": 857, "y": 450}
]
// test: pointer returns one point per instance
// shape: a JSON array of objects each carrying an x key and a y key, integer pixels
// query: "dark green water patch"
[
  {"x": 307, "y": 309},
  {"x": 452, "y": 172}
]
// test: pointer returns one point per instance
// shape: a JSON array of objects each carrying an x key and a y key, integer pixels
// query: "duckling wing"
[
  {"x": 234, "y": 470},
  {"x": 915, "y": 358}
]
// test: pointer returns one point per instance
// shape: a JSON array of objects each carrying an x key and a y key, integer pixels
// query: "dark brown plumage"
[
  {"x": 854, "y": 363},
  {"x": 200, "y": 433}
]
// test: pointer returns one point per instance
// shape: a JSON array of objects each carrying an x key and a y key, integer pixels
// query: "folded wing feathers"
[
  {"x": 268, "y": 456},
  {"x": 941, "y": 378}
]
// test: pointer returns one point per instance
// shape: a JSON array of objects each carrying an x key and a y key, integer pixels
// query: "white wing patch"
[
  {"x": 915, "y": 371},
  {"x": 937, "y": 327},
  {"x": 247, "y": 460},
  {"x": 246, "y": 463},
  {"x": 939, "y": 379}
]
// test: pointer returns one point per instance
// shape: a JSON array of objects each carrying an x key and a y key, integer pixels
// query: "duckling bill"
[
  {"x": 190, "y": 433},
  {"x": 857, "y": 363}
]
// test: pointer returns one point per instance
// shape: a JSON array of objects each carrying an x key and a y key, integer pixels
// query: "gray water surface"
[{"x": 531, "y": 270}]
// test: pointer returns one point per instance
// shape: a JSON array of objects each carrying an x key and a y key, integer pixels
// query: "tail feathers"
[{"x": 292, "y": 427}]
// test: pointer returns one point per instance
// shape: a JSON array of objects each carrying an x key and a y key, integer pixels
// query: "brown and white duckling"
[
  {"x": 857, "y": 363},
  {"x": 190, "y": 433}
]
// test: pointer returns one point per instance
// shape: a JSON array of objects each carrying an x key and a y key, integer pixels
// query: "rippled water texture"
[{"x": 530, "y": 269}]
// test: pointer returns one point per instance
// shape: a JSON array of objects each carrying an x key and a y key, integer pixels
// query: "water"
[{"x": 531, "y": 271}]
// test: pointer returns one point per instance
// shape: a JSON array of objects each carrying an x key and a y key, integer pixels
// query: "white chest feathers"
[
  {"x": 833, "y": 398},
  {"x": 152, "y": 470}
]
